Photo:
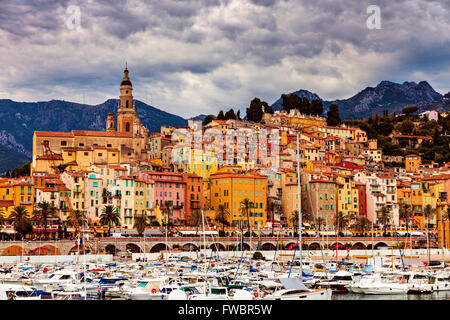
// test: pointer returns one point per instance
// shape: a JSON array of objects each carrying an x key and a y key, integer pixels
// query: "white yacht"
[{"x": 294, "y": 289}]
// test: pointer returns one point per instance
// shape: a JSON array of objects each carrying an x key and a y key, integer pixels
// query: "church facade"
[{"x": 124, "y": 140}]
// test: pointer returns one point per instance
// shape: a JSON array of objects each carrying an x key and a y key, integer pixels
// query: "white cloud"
[{"x": 198, "y": 56}]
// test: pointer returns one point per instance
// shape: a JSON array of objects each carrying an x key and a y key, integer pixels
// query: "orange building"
[
  {"x": 15, "y": 193},
  {"x": 412, "y": 163}
]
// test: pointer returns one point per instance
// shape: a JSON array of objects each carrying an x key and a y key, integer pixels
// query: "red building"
[
  {"x": 171, "y": 189},
  {"x": 362, "y": 199},
  {"x": 194, "y": 194}
]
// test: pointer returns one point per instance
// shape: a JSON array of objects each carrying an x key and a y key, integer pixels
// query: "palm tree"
[
  {"x": 140, "y": 222},
  {"x": 79, "y": 216},
  {"x": 245, "y": 207},
  {"x": 222, "y": 216},
  {"x": 271, "y": 208},
  {"x": 341, "y": 221},
  {"x": 362, "y": 224},
  {"x": 428, "y": 212},
  {"x": 43, "y": 212},
  {"x": 109, "y": 217},
  {"x": 294, "y": 219},
  {"x": 195, "y": 219},
  {"x": 2, "y": 215},
  {"x": 167, "y": 209},
  {"x": 320, "y": 221},
  {"x": 384, "y": 216},
  {"x": 21, "y": 222}
]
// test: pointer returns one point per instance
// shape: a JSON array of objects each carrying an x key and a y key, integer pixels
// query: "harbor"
[{"x": 230, "y": 275}]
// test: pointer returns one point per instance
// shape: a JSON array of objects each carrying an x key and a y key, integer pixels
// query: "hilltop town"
[{"x": 387, "y": 172}]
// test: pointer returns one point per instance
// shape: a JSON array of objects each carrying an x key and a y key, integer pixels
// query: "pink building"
[{"x": 170, "y": 188}]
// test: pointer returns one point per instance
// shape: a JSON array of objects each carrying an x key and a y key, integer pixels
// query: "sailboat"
[{"x": 293, "y": 287}]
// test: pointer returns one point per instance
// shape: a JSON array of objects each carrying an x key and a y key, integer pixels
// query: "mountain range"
[
  {"x": 19, "y": 120},
  {"x": 386, "y": 95}
]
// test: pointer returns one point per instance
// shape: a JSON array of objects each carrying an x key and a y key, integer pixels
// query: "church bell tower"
[{"x": 126, "y": 112}]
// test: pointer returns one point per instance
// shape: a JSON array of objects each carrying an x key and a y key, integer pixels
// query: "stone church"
[{"x": 124, "y": 140}]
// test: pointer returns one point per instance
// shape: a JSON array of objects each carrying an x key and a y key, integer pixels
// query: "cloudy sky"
[{"x": 198, "y": 56}]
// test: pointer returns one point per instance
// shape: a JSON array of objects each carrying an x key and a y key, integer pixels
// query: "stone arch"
[
  {"x": 290, "y": 246},
  {"x": 347, "y": 246},
  {"x": 133, "y": 248},
  {"x": 159, "y": 247},
  {"x": 47, "y": 249},
  {"x": 82, "y": 249},
  {"x": 268, "y": 246},
  {"x": 189, "y": 247},
  {"x": 314, "y": 246},
  {"x": 339, "y": 246},
  {"x": 12, "y": 251},
  {"x": 214, "y": 247},
  {"x": 359, "y": 246},
  {"x": 245, "y": 246},
  {"x": 380, "y": 244},
  {"x": 111, "y": 249},
  {"x": 231, "y": 247}
]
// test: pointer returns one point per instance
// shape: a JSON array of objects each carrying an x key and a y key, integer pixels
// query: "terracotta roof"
[
  {"x": 102, "y": 133},
  {"x": 53, "y": 134}
]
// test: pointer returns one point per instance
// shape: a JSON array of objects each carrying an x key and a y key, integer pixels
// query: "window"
[
  {"x": 86, "y": 153},
  {"x": 100, "y": 154},
  {"x": 63, "y": 143}
]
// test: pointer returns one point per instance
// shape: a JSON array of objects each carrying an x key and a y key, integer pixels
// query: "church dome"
[{"x": 125, "y": 83}]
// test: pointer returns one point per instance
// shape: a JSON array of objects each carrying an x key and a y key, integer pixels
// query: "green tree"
[
  {"x": 110, "y": 217},
  {"x": 230, "y": 115},
  {"x": 272, "y": 208},
  {"x": 333, "y": 117},
  {"x": 320, "y": 222},
  {"x": 245, "y": 206},
  {"x": 80, "y": 218},
  {"x": 406, "y": 127},
  {"x": 140, "y": 223},
  {"x": 362, "y": 225},
  {"x": 21, "y": 222},
  {"x": 291, "y": 101},
  {"x": 222, "y": 216},
  {"x": 255, "y": 110},
  {"x": 294, "y": 219},
  {"x": 409, "y": 110},
  {"x": 208, "y": 119},
  {"x": 220, "y": 116},
  {"x": 316, "y": 107},
  {"x": 195, "y": 219},
  {"x": 384, "y": 217},
  {"x": 43, "y": 212},
  {"x": 342, "y": 221}
]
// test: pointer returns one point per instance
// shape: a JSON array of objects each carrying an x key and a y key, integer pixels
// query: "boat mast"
[
  {"x": 299, "y": 209},
  {"x": 204, "y": 248}
]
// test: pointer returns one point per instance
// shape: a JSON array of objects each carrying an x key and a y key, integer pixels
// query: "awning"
[
  {"x": 200, "y": 232},
  {"x": 266, "y": 232},
  {"x": 153, "y": 233}
]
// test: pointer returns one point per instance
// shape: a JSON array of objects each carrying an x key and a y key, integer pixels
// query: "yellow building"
[
  {"x": 128, "y": 141},
  {"x": 412, "y": 163},
  {"x": 230, "y": 189},
  {"x": 201, "y": 162},
  {"x": 16, "y": 193},
  {"x": 347, "y": 196}
]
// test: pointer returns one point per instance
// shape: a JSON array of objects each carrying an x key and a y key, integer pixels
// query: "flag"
[{"x": 79, "y": 242}]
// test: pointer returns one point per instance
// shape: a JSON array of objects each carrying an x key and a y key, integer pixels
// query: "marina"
[{"x": 227, "y": 275}]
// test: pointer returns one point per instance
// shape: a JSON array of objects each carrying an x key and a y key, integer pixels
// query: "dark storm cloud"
[{"x": 201, "y": 53}]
